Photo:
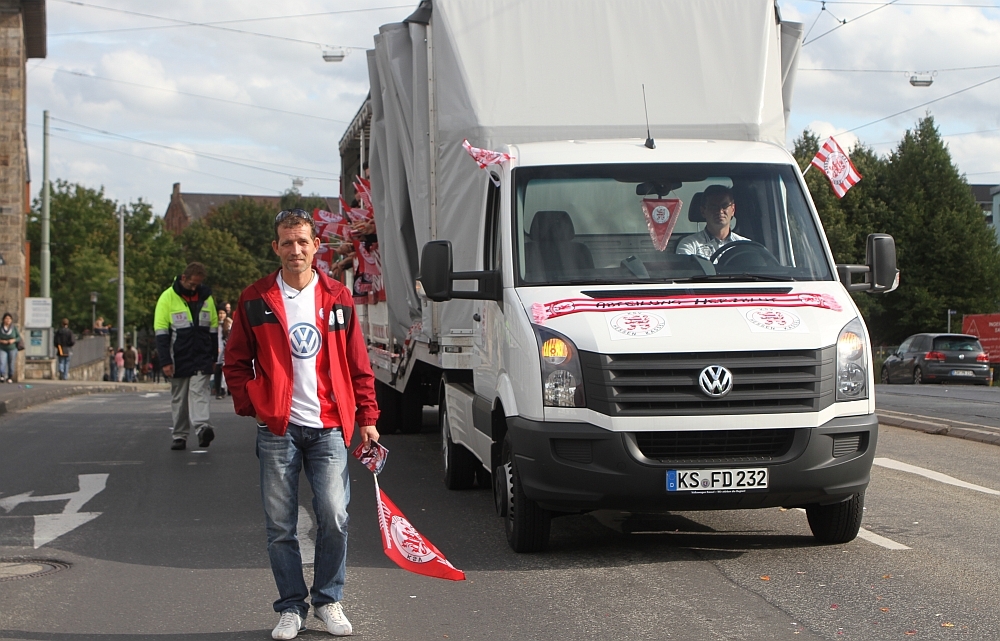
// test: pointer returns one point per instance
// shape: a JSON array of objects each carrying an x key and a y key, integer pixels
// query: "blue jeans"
[
  {"x": 324, "y": 456},
  {"x": 63, "y": 366},
  {"x": 8, "y": 359}
]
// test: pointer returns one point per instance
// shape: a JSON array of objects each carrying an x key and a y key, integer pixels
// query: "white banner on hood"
[
  {"x": 636, "y": 324},
  {"x": 770, "y": 320}
]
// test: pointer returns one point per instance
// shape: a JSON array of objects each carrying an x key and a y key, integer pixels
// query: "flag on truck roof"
[
  {"x": 407, "y": 547},
  {"x": 836, "y": 164}
]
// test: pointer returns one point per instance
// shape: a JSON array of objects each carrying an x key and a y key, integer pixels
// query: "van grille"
[
  {"x": 745, "y": 445},
  {"x": 764, "y": 382}
]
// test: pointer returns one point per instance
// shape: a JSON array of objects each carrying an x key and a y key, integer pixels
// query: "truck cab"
[{"x": 620, "y": 363}]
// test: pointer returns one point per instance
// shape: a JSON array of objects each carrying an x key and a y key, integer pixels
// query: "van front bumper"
[{"x": 577, "y": 467}]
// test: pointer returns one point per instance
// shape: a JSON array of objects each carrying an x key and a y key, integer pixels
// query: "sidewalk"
[{"x": 17, "y": 396}]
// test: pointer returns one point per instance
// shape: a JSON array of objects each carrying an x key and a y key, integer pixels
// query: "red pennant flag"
[
  {"x": 835, "y": 163},
  {"x": 408, "y": 548},
  {"x": 661, "y": 216}
]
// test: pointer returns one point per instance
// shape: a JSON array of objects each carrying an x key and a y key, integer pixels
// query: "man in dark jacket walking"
[
  {"x": 186, "y": 326},
  {"x": 64, "y": 340}
]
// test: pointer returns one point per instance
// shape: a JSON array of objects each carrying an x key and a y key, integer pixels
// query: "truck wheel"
[
  {"x": 918, "y": 376},
  {"x": 459, "y": 463},
  {"x": 388, "y": 401},
  {"x": 527, "y": 525},
  {"x": 411, "y": 412},
  {"x": 837, "y": 523}
]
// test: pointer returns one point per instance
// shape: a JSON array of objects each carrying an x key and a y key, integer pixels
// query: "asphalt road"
[
  {"x": 970, "y": 404},
  {"x": 170, "y": 545}
]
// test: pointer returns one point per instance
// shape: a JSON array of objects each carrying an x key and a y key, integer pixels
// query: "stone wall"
[{"x": 13, "y": 159}]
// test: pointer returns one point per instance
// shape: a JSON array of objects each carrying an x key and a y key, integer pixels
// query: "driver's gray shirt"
[{"x": 705, "y": 244}]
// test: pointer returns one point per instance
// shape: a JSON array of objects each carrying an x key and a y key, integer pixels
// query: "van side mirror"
[
  {"x": 437, "y": 278},
  {"x": 880, "y": 273}
]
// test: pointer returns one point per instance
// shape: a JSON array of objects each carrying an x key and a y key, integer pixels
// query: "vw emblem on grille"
[{"x": 716, "y": 381}]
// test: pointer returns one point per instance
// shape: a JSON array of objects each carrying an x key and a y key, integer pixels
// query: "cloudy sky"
[{"x": 228, "y": 96}]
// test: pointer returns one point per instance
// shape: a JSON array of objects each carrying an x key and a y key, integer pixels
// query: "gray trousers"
[{"x": 189, "y": 404}]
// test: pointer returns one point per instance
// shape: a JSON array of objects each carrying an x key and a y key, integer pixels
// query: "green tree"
[
  {"x": 252, "y": 225},
  {"x": 84, "y": 256},
  {"x": 230, "y": 266}
]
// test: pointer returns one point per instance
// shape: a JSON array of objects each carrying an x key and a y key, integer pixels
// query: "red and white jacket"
[{"x": 258, "y": 361}]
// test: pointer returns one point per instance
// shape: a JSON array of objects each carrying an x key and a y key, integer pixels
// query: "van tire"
[
  {"x": 459, "y": 463},
  {"x": 388, "y": 401},
  {"x": 837, "y": 523},
  {"x": 527, "y": 525}
]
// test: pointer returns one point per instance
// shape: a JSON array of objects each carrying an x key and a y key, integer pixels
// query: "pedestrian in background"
[
  {"x": 119, "y": 365},
  {"x": 297, "y": 362},
  {"x": 129, "y": 359},
  {"x": 63, "y": 340},
  {"x": 9, "y": 336},
  {"x": 112, "y": 365},
  {"x": 99, "y": 328},
  {"x": 224, "y": 324},
  {"x": 186, "y": 325},
  {"x": 154, "y": 364}
]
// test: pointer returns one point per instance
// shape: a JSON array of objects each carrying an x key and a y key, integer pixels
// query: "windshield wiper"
[{"x": 714, "y": 278}]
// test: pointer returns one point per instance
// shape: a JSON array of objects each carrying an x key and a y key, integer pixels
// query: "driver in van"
[{"x": 718, "y": 209}]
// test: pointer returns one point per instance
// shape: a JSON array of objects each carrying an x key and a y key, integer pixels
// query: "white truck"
[{"x": 582, "y": 358}]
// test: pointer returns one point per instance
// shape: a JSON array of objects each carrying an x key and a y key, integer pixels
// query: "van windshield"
[{"x": 664, "y": 223}]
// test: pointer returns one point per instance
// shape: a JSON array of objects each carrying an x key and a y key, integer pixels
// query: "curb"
[
  {"x": 37, "y": 396},
  {"x": 920, "y": 424}
]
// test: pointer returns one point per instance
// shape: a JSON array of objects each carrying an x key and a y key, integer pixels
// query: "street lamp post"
[
  {"x": 951, "y": 312},
  {"x": 93, "y": 309}
]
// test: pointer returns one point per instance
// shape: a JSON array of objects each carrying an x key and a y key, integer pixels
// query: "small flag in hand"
[
  {"x": 408, "y": 548},
  {"x": 834, "y": 162}
]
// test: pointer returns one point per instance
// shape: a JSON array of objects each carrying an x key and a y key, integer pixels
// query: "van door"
[{"x": 488, "y": 327}]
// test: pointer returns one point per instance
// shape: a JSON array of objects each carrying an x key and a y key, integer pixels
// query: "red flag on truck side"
[
  {"x": 408, "y": 548},
  {"x": 837, "y": 166}
]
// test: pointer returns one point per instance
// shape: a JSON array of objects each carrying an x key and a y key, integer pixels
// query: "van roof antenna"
[{"x": 649, "y": 139}]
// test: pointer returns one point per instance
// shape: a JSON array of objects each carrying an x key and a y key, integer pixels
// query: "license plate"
[
  {"x": 961, "y": 372},
  {"x": 732, "y": 480}
]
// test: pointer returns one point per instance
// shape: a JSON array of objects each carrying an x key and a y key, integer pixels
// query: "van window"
[{"x": 588, "y": 224}]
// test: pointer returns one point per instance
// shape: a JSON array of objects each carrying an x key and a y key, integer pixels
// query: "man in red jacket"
[{"x": 297, "y": 362}]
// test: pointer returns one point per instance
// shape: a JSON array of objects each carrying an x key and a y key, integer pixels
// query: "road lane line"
[
  {"x": 871, "y": 537},
  {"x": 931, "y": 474},
  {"x": 888, "y": 544}
]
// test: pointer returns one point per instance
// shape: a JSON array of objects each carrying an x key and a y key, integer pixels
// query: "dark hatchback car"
[{"x": 938, "y": 358}]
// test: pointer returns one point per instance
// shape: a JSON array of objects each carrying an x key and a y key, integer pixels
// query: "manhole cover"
[{"x": 11, "y": 569}]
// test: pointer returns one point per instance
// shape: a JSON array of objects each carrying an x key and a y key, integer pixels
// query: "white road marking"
[
  {"x": 888, "y": 544},
  {"x": 49, "y": 527},
  {"x": 151, "y": 395},
  {"x": 877, "y": 539},
  {"x": 307, "y": 548},
  {"x": 934, "y": 476}
]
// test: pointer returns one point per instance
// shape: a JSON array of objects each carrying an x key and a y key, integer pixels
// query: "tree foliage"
[{"x": 947, "y": 255}]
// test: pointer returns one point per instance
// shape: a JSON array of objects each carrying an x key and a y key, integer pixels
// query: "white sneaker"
[
  {"x": 289, "y": 626},
  {"x": 332, "y": 614}
]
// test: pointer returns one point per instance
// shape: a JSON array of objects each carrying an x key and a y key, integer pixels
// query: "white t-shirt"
[
  {"x": 705, "y": 244},
  {"x": 305, "y": 340}
]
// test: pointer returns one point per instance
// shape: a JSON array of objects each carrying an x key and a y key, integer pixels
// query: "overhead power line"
[
  {"x": 221, "y": 22},
  {"x": 842, "y": 22},
  {"x": 187, "y": 93},
  {"x": 188, "y": 23},
  {"x": 923, "y": 104},
  {"x": 897, "y": 70},
  {"x": 215, "y": 157},
  {"x": 908, "y": 4}
]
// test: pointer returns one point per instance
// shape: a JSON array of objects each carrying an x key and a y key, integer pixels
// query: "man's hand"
[
  {"x": 168, "y": 370},
  {"x": 368, "y": 434}
]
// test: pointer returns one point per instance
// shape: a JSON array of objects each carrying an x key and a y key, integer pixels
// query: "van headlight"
[
  {"x": 562, "y": 374},
  {"x": 852, "y": 364}
]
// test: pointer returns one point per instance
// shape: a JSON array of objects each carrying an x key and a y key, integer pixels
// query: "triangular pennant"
[{"x": 661, "y": 216}]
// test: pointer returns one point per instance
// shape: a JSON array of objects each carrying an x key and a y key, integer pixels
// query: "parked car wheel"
[
  {"x": 918, "y": 376},
  {"x": 884, "y": 377},
  {"x": 837, "y": 523}
]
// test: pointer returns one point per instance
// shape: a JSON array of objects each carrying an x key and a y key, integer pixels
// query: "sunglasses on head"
[{"x": 292, "y": 213}]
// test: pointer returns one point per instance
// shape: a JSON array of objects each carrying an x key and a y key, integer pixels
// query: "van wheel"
[
  {"x": 837, "y": 523},
  {"x": 918, "y": 376},
  {"x": 459, "y": 464},
  {"x": 527, "y": 524},
  {"x": 411, "y": 411},
  {"x": 388, "y": 401},
  {"x": 884, "y": 377}
]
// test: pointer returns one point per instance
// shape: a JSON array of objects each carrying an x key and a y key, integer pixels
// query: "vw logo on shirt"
[{"x": 304, "y": 339}]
